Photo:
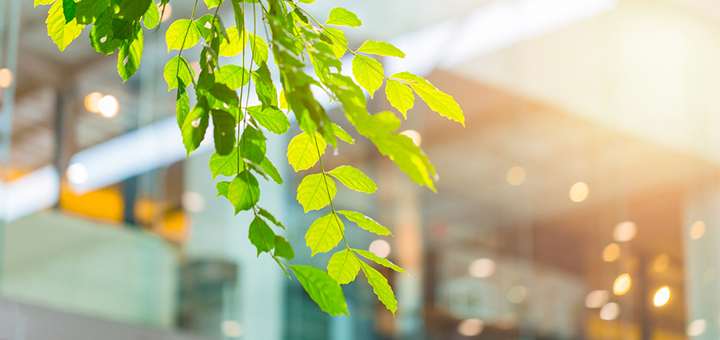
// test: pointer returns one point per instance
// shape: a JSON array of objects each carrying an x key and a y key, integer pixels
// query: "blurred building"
[{"x": 581, "y": 200}]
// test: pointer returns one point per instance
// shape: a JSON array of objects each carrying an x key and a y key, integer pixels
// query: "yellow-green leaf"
[
  {"x": 315, "y": 192},
  {"x": 380, "y": 285},
  {"x": 224, "y": 165},
  {"x": 259, "y": 48},
  {"x": 343, "y": 267},
  {"x": 151, "y": 18},
  {"x": 342, "y": 17},
  {"x": 339, "y": 40},
  {"x": 354, "y": 179},
  {"x": 303, "y": 153},
  {"x": 176, "y": 68},
  {"x": 365, "y": 222},
  {"x": 340, "y": 133},
  {"x": 381, "y": 48},
  {"x": 213, "y": 3},
  {"x": 322, "y": 289},
  {"x": 379, "y": 260},
  {"x": 61, "y": 33},
  {"x": 235, "y": 44},
  {"x": 437, "y": 100},
  {"x": 325, "y": 233},
  {"x": 43, "y": 2},
  {"x": 368, "y": 73},
  {"x": 400, "y": 96},
  {"x": 271, "y": 118},
  {"x": 233, "y": 76},
  {"x": 182, "y": 34}
]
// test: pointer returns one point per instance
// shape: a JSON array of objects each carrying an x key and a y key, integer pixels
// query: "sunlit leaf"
[
  {"x": 400, "y": 96},
  {"x": 322, "y": 289},
  {"x": 342, "y": 17},
  {"x": 343, "y": 266},
  {"x": 325, "y": 233},
  {"x": 233, "y": 76},
  {"x": 354, "y": 179},
  {"x": 303, "y": 151},
  {"x": 87, "y": 11},
  {"x": 342, "y": 135},
  {"x": 315, "y": 192},
  {"x": 182, "y": 34},
  {"x": 368, "y": 73},
  {"x": 437, "y": 100},
  {"x": 62, "y": 33},
  {"x": 381, "y": 48},
  {"x": 380, "y": 285},
  {"x": 129, "y": 56},
  {"x": 365, "y": 222},
  {"x": 271, "y": 118},
  {"x": 243, "y": 191},
  {"x": 379, "y": 260}
]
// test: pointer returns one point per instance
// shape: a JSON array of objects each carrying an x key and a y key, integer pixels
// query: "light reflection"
[
  {"x": 516, "y": 175},
  {"x": 610, "y": 311},
  {"x": 471, "y": 327},
  {"x": 579, "y": 192},
  {"x": 697, "y": 230},
  {"x": 482, "y": 268},
  {"x": 622, "y": 284},
  {"x": 625, "y": 231},
  {"x": 611, "y": 252},
  {"x": 596, "y": 298},
  {"x": 380, "y": 248},
  {"x": 662, "y": 296}
]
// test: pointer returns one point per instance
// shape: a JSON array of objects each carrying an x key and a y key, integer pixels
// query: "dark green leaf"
[
  {"x": 322, "y": 289},
  {"x": 133, "y": 9},
  {"x": 224, "y": 94},
  {"x": 195, "y": 125},
  {"x": 182, "y": 104},
  {"x": 224, "y": 131},
  {"x": 264, "y": 87},
  {"x": 261, "y": 236},
  {"x": 243, "y": 192},
  {"x": 283, "y": 248},
  {"x": 88, "y": 11},
  {"x": 264, "y": 213},
  {"x": 252, "y": 145},
  {"x": 69, "y": 7},
  {"x": 129, "y": 56}
]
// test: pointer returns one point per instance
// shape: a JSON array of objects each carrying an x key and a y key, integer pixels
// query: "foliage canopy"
[{"x": 306, "y": 55}]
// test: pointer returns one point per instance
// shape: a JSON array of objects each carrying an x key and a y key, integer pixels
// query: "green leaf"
[
  {"x": 234, "y": 45},
  {"x": 69, "y": 7},
  {"x": 252, "y": 145},
  {"x": 264, "y": 213},
  {"x": 43, "y": 2},
  {"x": 234, "y": 77},
  {"x": 224, "y": 94},
  {"x": 381, "y": 48},
  {"x": 243, "y": 191},
  {"x": 379, "y": 260},
  {"x": 182, "y": 105},
  {"x": 271, "y": 118},
  {"x": 195, "y": 125},
  {"x": 322, "y": 289},
  {"x": 437, "y": 100},
  {"x": 62, "y": 33},
  {"x": 151, "y": 18},
  {"x": 261, "y": 236},
  {"x": 342, "y": 17},
  {"x": 368, "y": 73},
  {"x": 315, "y": 192},
  {"x": 325, "y": 233},
  {"x": 343, "y": 267},
  {"x": 129, "y": 57},
  {"x": 339, "y": 41},
  {"x": 302, "y": 151},
  {"x": 400, "y": 96},
  {"x": 340, "y": 133},
  {"x": 133, "y": 9},
  {"x": 224, "y": 165},
  {"x": 213, "y": 3},
  {"x": 102, "y": 34},
  {"x": 224, "y": 131},
  {"x": 270, "y": 169},
  {"x": 365, "y": 222},
  {"x": 354, "y": 179},
  {"x": 176, "y": 68},
  {"x": 222, "y": 188},
  {"x": 283, "y": 248},
  {"x": 182, "y": 34},
  {"x": 264, "y": 87},
  {"x": 88, "y": 11},
  {"x": 381, "y": 288},
  {"x": 259, "y": 49}
]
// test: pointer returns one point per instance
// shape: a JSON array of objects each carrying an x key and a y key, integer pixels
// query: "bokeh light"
[
  {"x": 380, "y": 248},
  {"x": 108, "y": 106},
  {"x": 596, "y": 298},
  {"x": 77, "y": 173},
  {"x": 611, "y": 252},
  {"x": 697, "y": 230},
  {"x": 579, "y": 192},
  {"x": 625, "y": 231},
  {"x": 193, "y": 201},
  {"x": 661, "y": 263},
  {"x": 231, "y": 329},
  {"x": 91, "y": 101},
  {"x": 696, "y": 327},
  {"x": 622, "y": 284},
  {"x": 662, "y": 296},
  {"x": 414, "y": 135},
  {"x": 471, "y": 327},
  {"x": 517, "y": 294},
  {"x": 516, "y": 175},
  {"x": 168, "y": 11},
  {"x": 6, "y": 78},
  {"x": 610, "y": 311},
  {"x": 482, "y": 268}
]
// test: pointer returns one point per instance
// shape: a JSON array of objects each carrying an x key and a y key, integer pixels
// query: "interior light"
[
  {"x": 6, "y": 78},
  {"x": 662, "y": 296},
  {"x": 482, "y": 268},
  {"x": 231, "y": 329},
  {"x": 167, "y": 13},
  {"x": 625, "y": 231},
  {"x": 696, "y": 327},
  {"x": 517, "y": 294},
  {"x": 697, "y": 230},
  {"x": 661, "y": 263},
  {"x": 516, "y": 175},
  {"x": 611, "y": 252},
  {"x": 622, "y": 284},
  {"x": 471, "y": 327},
  {"x": 414, "y": 135},
  {"x": 193, "y": 202},
  {"x": 108, "y": 106},
  {"x": 579, "y": 192},
  {"x": 610, "y": 311},
  {"x": 77, "y": 173},
  {"x": 380, "y": 248},
  {"x": 91, "y": 101},
  {"x": 596, "y": 299}
]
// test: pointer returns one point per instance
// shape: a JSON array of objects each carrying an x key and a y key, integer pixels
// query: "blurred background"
[{"x": 582, "y": 200}]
